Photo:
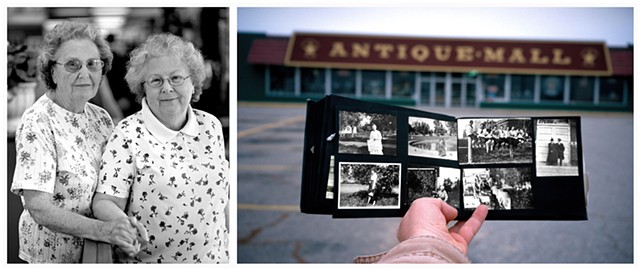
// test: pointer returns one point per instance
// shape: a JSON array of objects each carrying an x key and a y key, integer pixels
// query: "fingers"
[
  {"x": 127, "y": 247},
  {"x": 142, "y": 231},
  {"x": 130, "y": 250},
  {"x": 121, "y": 229},
  {"x": 468, "y": 229}
]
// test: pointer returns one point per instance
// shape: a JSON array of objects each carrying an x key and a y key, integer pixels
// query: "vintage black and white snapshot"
[
  {"x": 495, "y": 140},
  {"x": 435, "y": 182},
  {"x": 432, "y": 138},
  {"x": 498, "y": 188},
  {"x": 556, "y": 147},
  {"x": 367, "y": 133},
  {"x": 369, "y": 185}
]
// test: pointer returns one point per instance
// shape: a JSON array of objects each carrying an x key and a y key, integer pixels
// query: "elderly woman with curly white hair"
[
  {"x": 59, "y": 145},
  {"x": 165, "y": 165}
]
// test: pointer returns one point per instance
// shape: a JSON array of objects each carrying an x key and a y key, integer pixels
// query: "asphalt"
[{"x": 271, "y": 229}]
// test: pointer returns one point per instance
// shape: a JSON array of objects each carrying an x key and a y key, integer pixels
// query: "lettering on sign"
[{"x": 364, "y": 52}]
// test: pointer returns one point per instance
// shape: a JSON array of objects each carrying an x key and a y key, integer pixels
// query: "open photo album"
[{"x": 365, "y": 159}]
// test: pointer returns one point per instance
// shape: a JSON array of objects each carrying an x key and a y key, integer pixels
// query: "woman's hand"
[
  {"x": 142, "y": 238},
  {"x": 122, "y": 233}
]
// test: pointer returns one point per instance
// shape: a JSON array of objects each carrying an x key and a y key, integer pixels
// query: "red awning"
[
  {"x": 622, "y": 62},
  {"x": 268, "y": 51}
]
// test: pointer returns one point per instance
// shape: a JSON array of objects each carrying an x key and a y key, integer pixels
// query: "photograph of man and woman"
[{"x": 556, "y": 147}]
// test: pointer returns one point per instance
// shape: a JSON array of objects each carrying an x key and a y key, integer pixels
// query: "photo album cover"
[{"x": 365, "y": 159}]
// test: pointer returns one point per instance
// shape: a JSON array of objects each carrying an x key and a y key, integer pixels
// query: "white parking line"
[{"x": 261, "y": 128}]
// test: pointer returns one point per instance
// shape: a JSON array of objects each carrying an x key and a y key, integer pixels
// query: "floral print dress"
[
  {"x": 58, "y": 152},
  {"x": 175, "y": 183}
]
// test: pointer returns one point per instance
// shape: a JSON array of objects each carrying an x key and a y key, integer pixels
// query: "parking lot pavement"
[{"x": 271, "y": 229}]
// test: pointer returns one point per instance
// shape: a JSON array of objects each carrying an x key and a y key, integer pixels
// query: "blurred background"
[
  {"x": 124, "y": 28},
  {"x": 271, "y": 114}
]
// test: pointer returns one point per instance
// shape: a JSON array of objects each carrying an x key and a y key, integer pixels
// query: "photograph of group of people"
[
  {"x": 367, "y": 133},
  {"x": 434, "y": 182},
  {"x": 369, "y": 185},
  {"x": 498, "y": 188},
  {"x": 432, "y": 138},
  {"x": 495, "y": 140}
]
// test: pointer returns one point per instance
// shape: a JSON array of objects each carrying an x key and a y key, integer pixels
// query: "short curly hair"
[
  {"x": 159, "y": 45},
  {"x": 63, "y": 32}
]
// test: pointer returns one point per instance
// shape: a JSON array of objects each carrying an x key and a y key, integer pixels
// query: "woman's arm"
[
  {"x": 41, "y": 207},
  {"x": 107, "y": 207}
]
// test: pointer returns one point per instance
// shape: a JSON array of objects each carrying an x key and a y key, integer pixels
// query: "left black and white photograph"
[
  {"x": 498, "y": 188},
  {"x": 495, "y": 140},
  {"x": 369, "y": 185},
  {"x": 432, "y": 138},
  {"x": 98, "y": 97},
  {"x": 367, "y": 133}
]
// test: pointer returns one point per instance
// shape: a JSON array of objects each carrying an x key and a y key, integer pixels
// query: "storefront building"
[{"x": 436, "y": 72}]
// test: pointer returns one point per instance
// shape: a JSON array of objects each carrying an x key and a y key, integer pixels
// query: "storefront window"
[
  {"x": 471, "y": 93},
  {"x": 373, "y": 83},
  {"x": 403, "y": 84},
  {"x": 456, "y": 94},
  {"x": 522, "y": 87},
  {"x": 611, "y": 89},
  {"x": 281, "y": 80},
  {"x": 493, "y": 87},
  {"x": 440, "y": 88},
  {"x": 312, "y": 80},
  {"x": 343, "y": 81},
  {"x": 551, "y": 88},
  {"x": 582, "y": 89}
]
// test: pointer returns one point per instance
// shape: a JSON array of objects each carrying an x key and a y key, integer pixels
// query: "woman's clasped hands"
[{"x": 127, "y": 234}]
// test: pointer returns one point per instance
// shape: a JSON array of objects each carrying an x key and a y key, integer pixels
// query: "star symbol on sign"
[
  {"x": 589, "y": 56},
  {"x": 310, "y": 47}
]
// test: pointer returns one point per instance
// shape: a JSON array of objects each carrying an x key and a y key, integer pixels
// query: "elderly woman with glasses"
[
  {"x": 165, "y": 165},
  {"x": 59, "y": 147}
]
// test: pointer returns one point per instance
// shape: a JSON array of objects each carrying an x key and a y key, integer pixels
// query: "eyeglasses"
[
  {"x": 157, "y": 81},
  {"x": 75, "y": 65}
]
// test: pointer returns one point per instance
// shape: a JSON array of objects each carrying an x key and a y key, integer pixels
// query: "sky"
[{"x": 611, "y": 25}]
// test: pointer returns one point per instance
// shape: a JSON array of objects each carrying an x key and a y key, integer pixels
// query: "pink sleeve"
[{"x": 420, "y": 249}]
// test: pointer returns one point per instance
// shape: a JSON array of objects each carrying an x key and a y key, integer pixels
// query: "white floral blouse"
[
  {"x": 58, "y": 152},
  {"x": 176, "y": 185}
]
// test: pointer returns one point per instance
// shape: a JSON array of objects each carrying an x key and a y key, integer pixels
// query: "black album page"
[{"x": 364, "y": 159}]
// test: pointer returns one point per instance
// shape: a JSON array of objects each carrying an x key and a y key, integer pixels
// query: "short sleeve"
[
  {"x": 217, "y": 127},
  {"x": 35, "y": 155},
  {"x": 117, "y": 170}
]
